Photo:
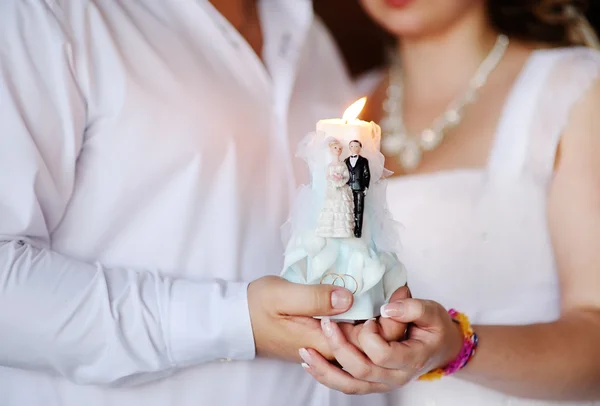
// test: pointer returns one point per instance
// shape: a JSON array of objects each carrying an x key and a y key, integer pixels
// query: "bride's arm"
[
  {"x": 341, "y": 178},
  {"x": 558, "y": 360}
]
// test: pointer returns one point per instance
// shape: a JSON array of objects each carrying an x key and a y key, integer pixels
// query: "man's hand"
[{"x": 282, "y": 316}]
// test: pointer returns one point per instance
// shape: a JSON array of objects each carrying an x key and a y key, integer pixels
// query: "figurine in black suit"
[{"x": 360, "y": 176}]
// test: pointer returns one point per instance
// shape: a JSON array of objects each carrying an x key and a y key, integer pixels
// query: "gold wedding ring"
[{"x": 339, "y": 277}]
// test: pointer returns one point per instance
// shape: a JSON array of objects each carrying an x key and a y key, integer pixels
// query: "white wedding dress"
[
  {"x": 478, "y": 240},
  {"x": 336, "y": 219}
]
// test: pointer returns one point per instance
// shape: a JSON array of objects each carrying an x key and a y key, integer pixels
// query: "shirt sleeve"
[
  {"x": 86, "y": 322},
  {"x": 367, "y": 173}
]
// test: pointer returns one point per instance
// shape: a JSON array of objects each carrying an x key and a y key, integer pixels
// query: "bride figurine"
[
  {"x": 322, "y": 244},
  {"x": 336, "y": 219}
]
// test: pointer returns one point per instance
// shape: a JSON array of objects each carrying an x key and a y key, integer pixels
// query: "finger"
[
  {"x": 335, "y": 378},
  {"x": 423, "y": 313},
  {"x": 391, "y": 330},
  {"x": 406, "y": 356},
  {"x": 349, "y": 357},
  {"x": 310, "y": 300},
  {"x": 350, "y": 331},
  {"x": 401, "y": 293}
]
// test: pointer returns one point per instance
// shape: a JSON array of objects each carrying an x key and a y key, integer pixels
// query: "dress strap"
[
  {"x": 537, "y": 112},
  {"x": 574, "y": 70},
  {"x": 509, "y": 150}
]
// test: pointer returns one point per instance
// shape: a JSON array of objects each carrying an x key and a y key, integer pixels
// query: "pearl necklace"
[{"x": 408, "y": 148}]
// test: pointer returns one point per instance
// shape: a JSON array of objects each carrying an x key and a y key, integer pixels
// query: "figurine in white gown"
[{"x": 336, "y": 219}]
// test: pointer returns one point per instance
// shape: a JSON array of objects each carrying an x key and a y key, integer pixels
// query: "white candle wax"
[{"x": 347, "y": 130}]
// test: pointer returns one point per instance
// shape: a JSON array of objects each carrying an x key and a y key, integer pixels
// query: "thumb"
[
  {"x": 423, "y": 313},
  {"x": 296, "y": 299},
  {"x": 401, "y": 293}
]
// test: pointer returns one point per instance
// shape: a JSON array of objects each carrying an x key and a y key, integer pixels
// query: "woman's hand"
[{"x": 376, "y": 365}]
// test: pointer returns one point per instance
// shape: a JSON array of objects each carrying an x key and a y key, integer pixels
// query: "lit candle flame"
[{"x": 354, "y": 110}]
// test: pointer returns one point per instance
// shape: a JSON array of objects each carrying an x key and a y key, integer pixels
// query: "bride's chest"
[{"x": 476, "y": 244}]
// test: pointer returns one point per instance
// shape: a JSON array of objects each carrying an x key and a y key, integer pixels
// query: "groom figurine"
[{"x": 360, "y": 177}]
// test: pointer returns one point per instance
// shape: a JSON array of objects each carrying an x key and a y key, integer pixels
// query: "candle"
[
  {"x": 360, "y": 256},
  {"x": 349, "y": 127}
]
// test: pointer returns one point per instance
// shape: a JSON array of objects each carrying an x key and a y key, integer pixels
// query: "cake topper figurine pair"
[{"x": 347, "y": 183}]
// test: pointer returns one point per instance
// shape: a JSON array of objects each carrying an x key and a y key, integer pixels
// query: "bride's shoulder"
[
  {"x": 571, "y": 61},
  {"x": 571, "y": 92},
  {"x": 567, "y": 73}
]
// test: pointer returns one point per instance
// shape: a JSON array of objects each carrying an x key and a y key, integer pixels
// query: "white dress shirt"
[{"x": 146, "y": 166}]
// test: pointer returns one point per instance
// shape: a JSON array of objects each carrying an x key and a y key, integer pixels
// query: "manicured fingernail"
[
  {"x": 305, "y": 356},
  {"x": 340, "y": 299},
  {"x": 395, "y": 309},
  {"x": 326, "y": 326},
  {"x": 305, "y": 365}
]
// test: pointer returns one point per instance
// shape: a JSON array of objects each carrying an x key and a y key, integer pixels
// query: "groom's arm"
[
  {"x": 366, "y": 173},
  {"x": 84, "y": 321}
]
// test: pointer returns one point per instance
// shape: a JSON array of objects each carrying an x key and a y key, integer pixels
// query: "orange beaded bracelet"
[{"x": 466, "y": 353}]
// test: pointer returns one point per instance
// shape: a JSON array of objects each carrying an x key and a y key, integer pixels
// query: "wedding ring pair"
[{"x": 335, "y": 277}]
